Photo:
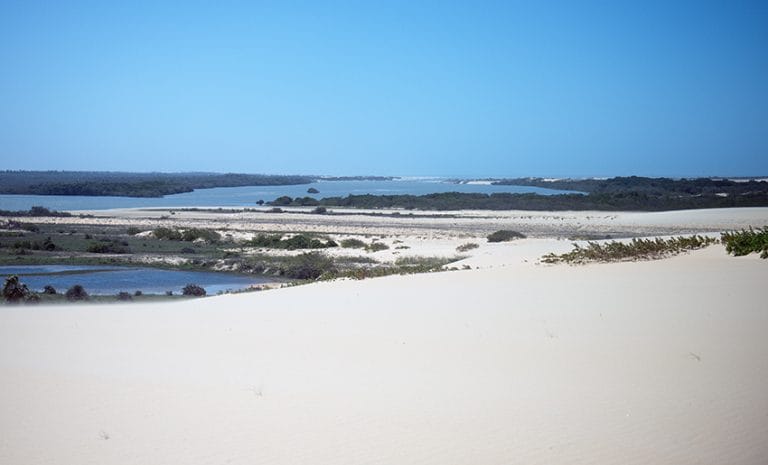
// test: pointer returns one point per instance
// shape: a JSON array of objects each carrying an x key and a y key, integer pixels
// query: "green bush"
[
  {"x": 76, "y": 293},
  {"x": 746, "y": 242},
  {"x": 505, "y": 235},
  {"x": 112, "y": 246},
  {"x": 309, "y": 265},
  {"x": 467, "y": 247},
  {"x": 353, "y": 243},
  {"x": 14, "y": 291},
  {"x": 193, "y": 290},
  {"x": 133, "y": 230},
  {"x": 296, "y": 242},
  {"x": 376, "y": 246}
]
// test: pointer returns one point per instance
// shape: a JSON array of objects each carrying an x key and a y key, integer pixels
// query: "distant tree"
[
  {"x": 75, "y": 293},
  {"x": 124, "y": 296},
  {"x": 312, "y": 190},
  {"x": 49, "y": 290}
]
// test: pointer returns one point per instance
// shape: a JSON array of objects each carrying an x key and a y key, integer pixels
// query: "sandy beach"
[{"x": 510, "y": 361}]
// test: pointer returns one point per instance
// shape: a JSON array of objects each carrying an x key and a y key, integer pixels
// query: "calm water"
[
  {"x": 248, "y": 196},
  {"x": 106, "y": 280}
]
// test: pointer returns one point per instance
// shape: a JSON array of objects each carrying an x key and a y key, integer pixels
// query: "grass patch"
[
  {"x": 353, "y": 243},
  {"x": 637, "y": 249},
  {"x": 296, "y": 242},
  {"x": 746, "y": 242}
]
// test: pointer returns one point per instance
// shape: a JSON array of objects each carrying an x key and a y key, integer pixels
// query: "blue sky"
[{"x": 411, "y": 88}]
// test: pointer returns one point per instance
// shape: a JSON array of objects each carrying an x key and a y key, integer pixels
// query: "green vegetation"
[
  {"x": 353, "y": 243},
  {"x": 193, "y": 290},
  {"x": 376, "y": 247},
  {"x": 187, "y": 235},
  {"x": 34, "y": 212},
  {"x": 14, "y": 291},
  {"x": 130, "y": 184},
  {"x": 296, "y": 242},
  {"x": 637, "y": 249},
  {"x": 109, "y": 246},
  {"x": 467, "y": 247},
  {"x": 76, "y": 293},
  {"x": 746, "y": 242},
  {"x": 505, "y": 235}
]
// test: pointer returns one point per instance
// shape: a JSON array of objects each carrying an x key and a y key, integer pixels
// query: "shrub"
[
  {"x": 124, "y": 296},
  {"x": 75, "y": 293},
  {"x": 467, "y": 247},
  {"x": 166, "y": 233},
  {"x": 133, "y": 230},
  {"x": 296, "y": 242},
  {"x": 14, "y": 291},
  {"x": 746, "y": 242},
  {"x": 505, "y": 235},
  {"x": 312, "y": 190},
  {"x": 310, "y": 265},
  {"x": 320, "y": 210},
  {"x": 193, "y": 290},
  {"x": 376, "y": 246},
  {"x": 353, "y": 244},
  {"x": 112, "y": 246},
  {"x": 49, "y": 290},
  {"x": 193, "y": 234},
  {"x": 138, "y": 293}
]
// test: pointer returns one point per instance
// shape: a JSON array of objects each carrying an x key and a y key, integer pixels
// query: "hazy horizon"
[{"x": 499, "y": 89}]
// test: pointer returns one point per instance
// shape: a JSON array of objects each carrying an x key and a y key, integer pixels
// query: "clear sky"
[{"x": 413, "y": 88}]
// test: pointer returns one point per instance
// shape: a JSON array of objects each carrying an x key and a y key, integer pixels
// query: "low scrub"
[
  {"x": 637, "y": 249},
  {"x": 505, "y": 235},
  {"x": 297, "y": 242},
  {"x": 746, "y": 242},
  {"x": 311, "y": 265},
  {"x": 353, "y": 243},
  {"x": 188, "y": 235},
  {"x": 110, "y": 246},
  {"x": 376, "y": 247},
  {"x": 467, "y": 247}
]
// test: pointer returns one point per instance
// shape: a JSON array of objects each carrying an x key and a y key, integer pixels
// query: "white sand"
[{"x": 661, "y": 362}]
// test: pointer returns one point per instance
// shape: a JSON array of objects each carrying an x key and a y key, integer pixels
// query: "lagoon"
[
  {"x": 109, "y": 280},
  {"x": 248, "y": 196}
]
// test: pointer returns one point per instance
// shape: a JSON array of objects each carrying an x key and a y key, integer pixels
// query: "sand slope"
[{"x": 661, "y": 362}]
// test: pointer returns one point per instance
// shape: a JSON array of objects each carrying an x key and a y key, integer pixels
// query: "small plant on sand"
[
  {"x": 505, "y": 235},
  {"x": 376, "y": 247},
  {"x": 467, "y": 247},
  {"x": 746, "y": 242}
]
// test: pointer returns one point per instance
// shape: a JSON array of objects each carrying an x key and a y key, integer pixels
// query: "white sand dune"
[{"x": 661, "y": 362}]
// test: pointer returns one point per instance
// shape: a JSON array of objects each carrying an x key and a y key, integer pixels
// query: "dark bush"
[
  {"x": 312, "y": 190},
  {"x": 193, "y": 290},
  {"x": 505, "y": 235},
  {"x": 14, "y": 291},
  {"x": 353, "y": 243},
  {"x": 108, "y": 247},
  {"x": 310, "y": 265},
  {"x": 133, "y": 230},
  {"x": 320, "y": 211},
  {"x": 49, "y": 290},
  {"x": 75, "y": 293},
  {"x": 124, "y": 296},
  {"x": 138, "y": 293}
]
